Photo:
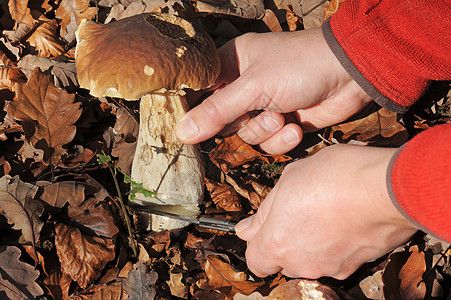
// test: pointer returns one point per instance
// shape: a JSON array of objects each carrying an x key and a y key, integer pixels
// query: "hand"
[
  {"x": 288, "y": 72},
  {"x": 327, "y": 215}
]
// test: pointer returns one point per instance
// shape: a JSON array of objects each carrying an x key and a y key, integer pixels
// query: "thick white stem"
[{"x": 162, "y": 163}]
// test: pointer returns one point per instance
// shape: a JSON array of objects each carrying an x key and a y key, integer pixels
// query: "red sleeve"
[
  {"x": 393, "y": 48},
  {"x": 419, "y": 180}
]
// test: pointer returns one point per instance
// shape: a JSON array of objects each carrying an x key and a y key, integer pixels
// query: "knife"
[{"x": 181, "y": 213}]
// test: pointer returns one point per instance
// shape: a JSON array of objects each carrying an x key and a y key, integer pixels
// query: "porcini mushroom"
[{"x": 153, "y": 57}]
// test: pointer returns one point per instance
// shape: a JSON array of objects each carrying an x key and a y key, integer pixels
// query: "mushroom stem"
[{"x": 162, "y": 163}]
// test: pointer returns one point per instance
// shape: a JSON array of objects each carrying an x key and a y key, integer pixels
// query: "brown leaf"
[
  {"x": 193, "y": 241},
  {"x": 246, "y": 9},
  {"x": 372, "y": 286},
  {"x": 73, "y": 11},
  {"x": 47, "y": 113},
  {"x": 224, "y": 196},
  {"x": 58, "y": 284},
  {"x": 302, "y": 289},
  {"x": 18, "y": 205},
  {"x": 381, "y": 126},
  {"x": 57, "y": 194},
  {"x": 220, "y": 274},
  {"x": 177, "y": 287},
  {"x": 20, "y": 12},
  {"x": 111, "y": 291},
  {"x": 140, "y": 282},
  {"x": 331, "y": 8},
  {"x": 293, "y": 20},
  {"x": 411, "y": 274},
  {"x": 232, "y": 152},
  {"x": 250, "y": 189},
  {"x": 45, "y": 38},
  {"x": 271, "y": 21},
  {"x": 5, "y": 69},
  {"x": 82, "y": 257},
  {"x": 18, "y": 279},
  {"x": 125, "y": 138}
]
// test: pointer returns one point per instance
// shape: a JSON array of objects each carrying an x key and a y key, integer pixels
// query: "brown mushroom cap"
[{"x": 142, "y": 54}]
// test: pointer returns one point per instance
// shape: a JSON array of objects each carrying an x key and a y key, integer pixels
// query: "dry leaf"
[
  {"x": 331, "y": 8},
  {"x": 302, "y": 289},
  {"x": 246, "y": 9},
  {"x": 111, "y": 291},
  {"x": 232, "y": 152},
  {"x": 411, "y": 274},
  {"x": 381, "y": 126},
  {"x": 47, "y": 114},
  {"x": 271, "y": 21},
  {"x": 220, "y": 275},
  {"x": 82, "y": 257},
  {"x": 18, "y": 205},
  {"x": 18, "y": 279},
  {"x": 372, "y": 286},
  {"x": 20, "y": 12},
  {"x": 58, "y": 284},
  {"x": 5, "y": 69},
  {"x": 177, "y": 287},
  {"x": 65, "y": 74},
  {"x": 125, "y": 138},
  {"x": 250, "y": 189},
  {"x": 45, "y": 39},
  {"x": 57, "y": 194},
  {"x": 73, "y": 11},
  {"x": 294, "y": 21},
  {"x": 140, "y": 282},
  {"x": 224, "y": 196}
]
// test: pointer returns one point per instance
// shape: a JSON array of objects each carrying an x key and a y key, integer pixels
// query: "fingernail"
[
  {"x": 290, "y": 137},
  {"x": 270, "y": 124},
  {"x": 243, "y": 224},
  {"x": 187, "y": 129}
]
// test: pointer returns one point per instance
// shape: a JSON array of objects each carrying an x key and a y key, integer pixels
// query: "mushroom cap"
[{"x": 145, "y": 53}]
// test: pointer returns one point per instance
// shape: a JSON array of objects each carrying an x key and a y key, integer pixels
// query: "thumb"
[
  {"x": 223, "y": 107},
  {"x": 246, "y": 229}
]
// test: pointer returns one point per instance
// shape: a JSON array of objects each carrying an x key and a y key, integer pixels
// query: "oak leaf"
[
  {"x": 412, "y": 285},
  {"x": 232, "y": 152},
  {"x": 221, "y": 275},
  {"x": 57, "y": 194},
  {"x": 20, "y": 12},
  {"x": 18, "y": 205},
  {"x": 140, "y": 282},
  {"x": 47, "y": 114},
  {"x": 17, "y": 279},
  {"x": 82, "y": 257},
  {"x": 223, "y": 195},
  {"x": 45, "y": 38},
  {"x": 73, "y": 11},
  {"x": 380, "y": 126}
]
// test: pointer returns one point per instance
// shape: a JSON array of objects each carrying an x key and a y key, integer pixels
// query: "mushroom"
[{"x": 153, "y": 57}]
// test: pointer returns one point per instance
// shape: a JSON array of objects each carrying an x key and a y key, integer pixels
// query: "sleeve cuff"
[{"x": 355, "y": 73}]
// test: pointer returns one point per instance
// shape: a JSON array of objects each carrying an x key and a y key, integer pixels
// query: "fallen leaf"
[
  {"x": 140, "y": 282},
  {"x": 250, "y": 189},
  {"x": 73, "y": 11},
  {"x": 82, "y": 257},
  {"x": 372, "y": 286},
  {"x": 331, "y": 8},
  {"x": 58, "y": 284},
  {"x": 193, "y": 241},
  {"x": 45, "y": 38},
  {"x": 293, "y": 20},
  {"x": 303, "y": 289},
  {"x": 6, "y": 66},
  {"x": 246, "y": 9},
  {"x": 20, "y": 12},
  {"x": 65, "y": 74},
  {"x": 253, "y": 296},
  {"x": 112, "y": 291},
  {"x": 231, "y": 152},
  {"x": 47, "y": 114},
  {"x": 411, "y": 274},
  {"x": 57, "y": 194},
  {"x": 177, "y": 287},
  {"x": 125, "y": 138},
  {"x": 18, "y": 205},
  {"x": 271, "y": 21},
  {"x": 18, "y": 279},
  {"x": 381, "y": 126},
  {"x": 221, "y": 275},
  {"x": 224, "y": 196}
]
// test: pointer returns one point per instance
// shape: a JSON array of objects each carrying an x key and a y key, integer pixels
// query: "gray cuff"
[{"x": 355, "y": 73}]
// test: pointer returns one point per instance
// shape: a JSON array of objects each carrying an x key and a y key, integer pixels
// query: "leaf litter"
[{"x": 62, "y": 231}]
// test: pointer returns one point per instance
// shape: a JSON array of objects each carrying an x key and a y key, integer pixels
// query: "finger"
[
  {"x": 221, "y": 108},
  {"x": 261, "y": 128},
  {"x": 284, "y": 140}
]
